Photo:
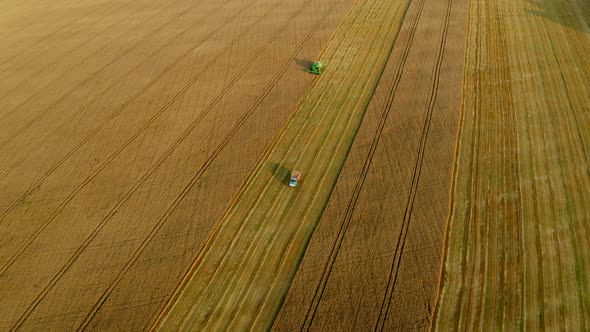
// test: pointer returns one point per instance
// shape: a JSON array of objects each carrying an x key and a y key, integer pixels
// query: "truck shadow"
[{"x": 279, "y": 172}]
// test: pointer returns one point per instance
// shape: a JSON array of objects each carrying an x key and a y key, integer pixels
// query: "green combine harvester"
[{"x": 316, "y": 68}]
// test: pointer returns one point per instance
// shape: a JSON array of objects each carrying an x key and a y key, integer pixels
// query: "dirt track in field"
[
  {"x": 126, "y": 130},
  {"x": 518, "y": 255},
  {"x": 374, "y": 258}
]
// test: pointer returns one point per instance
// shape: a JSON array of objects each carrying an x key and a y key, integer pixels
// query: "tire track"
[
  {"x": 540, "y": 294},
  {"x": 416, "y": 176},
  {"x": 360, "y": 183},
  {"x": 185, "y": 134}
]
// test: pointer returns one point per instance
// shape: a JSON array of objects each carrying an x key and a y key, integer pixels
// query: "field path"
[
  {"x": 243, "y": 272},
  {"x": 518, "y": 249}
]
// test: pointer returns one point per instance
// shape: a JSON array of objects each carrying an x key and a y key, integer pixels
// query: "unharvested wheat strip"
[
  {"x": 33, "y": 34},
  {"x": 542, "y": 53},
  {"x": 33, "y": 66},
  {"x": 265, "y": 231},
  {"x": 28, "y": 16}
]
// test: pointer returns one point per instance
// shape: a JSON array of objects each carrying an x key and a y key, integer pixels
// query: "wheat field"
[{"x": 146, "y": 147}]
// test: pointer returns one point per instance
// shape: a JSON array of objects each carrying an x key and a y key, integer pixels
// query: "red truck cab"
[{"x": 295, "y": 177}]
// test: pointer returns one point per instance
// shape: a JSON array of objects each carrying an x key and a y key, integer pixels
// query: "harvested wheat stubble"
[
  {"x": 374, "y": 258},
  {"x": 241, "y": 276},
  {"x": 106, "y": 203},
  {"x": 518, "y": 249}
]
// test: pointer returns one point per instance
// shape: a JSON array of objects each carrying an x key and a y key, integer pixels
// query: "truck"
[{"x": 295, "y": 177}]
